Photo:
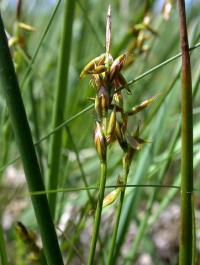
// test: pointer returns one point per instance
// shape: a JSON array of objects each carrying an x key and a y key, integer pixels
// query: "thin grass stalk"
[
  {"x": 60, "y": 98},
  {"x": 29, "y": 68},
  {"x": 24, "y": 141},
  {"x": 4, "y": 155},
  {"x": 187, "y": 204},
  {"x": 155, "y": 68},
  {"x": 83, "y": 176},
  {"x": 37, "y": 193},
  {"x": 98, "y": 211},
  {"x": 126, "y": 167}
]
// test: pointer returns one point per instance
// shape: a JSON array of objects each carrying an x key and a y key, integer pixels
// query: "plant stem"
[
  {"x": 60, "y": 96},
  {"x": 187, "y": 212},
  {"x": 126, "y": 167},
  {"x": 4, "y": 257},
  {"x": 97, "y": 219},
  {"x": 24, "y": 141}
]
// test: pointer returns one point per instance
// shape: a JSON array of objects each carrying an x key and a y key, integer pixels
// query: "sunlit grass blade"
[{"x": 59, "y": 103}]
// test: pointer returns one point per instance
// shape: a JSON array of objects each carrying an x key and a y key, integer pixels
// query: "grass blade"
[
  {"x": 60, "y": 96},
  {"x": 24, "y": 141}
]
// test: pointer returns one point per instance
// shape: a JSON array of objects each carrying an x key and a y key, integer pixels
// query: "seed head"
[
  {"x": 111, "y": 197},
  {"x": 104, "y": 101},
  {"x": 111, "y": 125},
  {"x": 100, "y": 142},
  {"x": 117, "y": 65}
]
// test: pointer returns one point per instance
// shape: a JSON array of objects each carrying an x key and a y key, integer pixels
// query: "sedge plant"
[{"x": 111, "y": 125}]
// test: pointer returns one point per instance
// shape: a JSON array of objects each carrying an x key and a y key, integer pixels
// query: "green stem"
[
  {"x": 158, "y": 66},
  {"x": 126, "y": 167},
  {"x": 4, "y": 257},
  {"x": 97, "y": 219},
  {"x": 60, "y": 96},
  {"x": 24, "y": 141},
  {"x": 186, "y": 231}
]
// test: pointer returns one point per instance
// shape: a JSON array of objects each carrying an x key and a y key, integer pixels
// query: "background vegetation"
[{"x": 149, "y": 224}]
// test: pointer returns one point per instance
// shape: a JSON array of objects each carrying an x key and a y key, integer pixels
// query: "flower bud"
[
  {"x": 133, "y": 143},
  {"x": 111, "y": 125},
  {"x": 119, "y": 133},
  {"x": 111, "y": 197},
  {"x": 100, "y": 142},
  {"x": 166, "y": 10},
  {"x": 117, "y": 65},
  {"x": 141, "y": 106},
  {"x": 118, "y": 100},
  {"x": 104, "y": 100},
  {"x": 91, "y": 66},
  {"x": 97, "y": 107},
  {"x": 26, "y": 26}
]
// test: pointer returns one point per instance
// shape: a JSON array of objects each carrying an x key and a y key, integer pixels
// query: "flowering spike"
[
  {"x": 104, "y": 100},
  {"x": 26, "y": 27},
  {"x": 166, "y": 10},
  {"x": 117, "y": 65},
  {"x": 118, "y": 100},
  {"x": 141, "y": 106},
  {"x": 92, "y": 65},
  {"x": 108, "y": 30},
  {"x": 119, "y": 133},
  {"x": 133, "y": 143},
  {"x": 100, "y": 142},
  {"x": 111, "y": 125},
  {"x": 111, "y": 197}
]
